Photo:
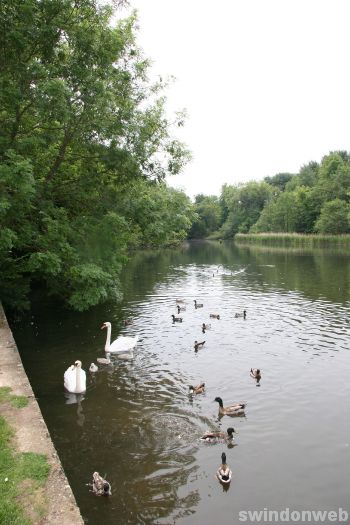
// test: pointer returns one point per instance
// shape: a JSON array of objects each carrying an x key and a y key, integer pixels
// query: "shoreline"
[{"x": 31, "y": 432}]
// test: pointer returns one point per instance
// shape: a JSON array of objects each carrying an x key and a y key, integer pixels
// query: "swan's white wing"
[
  {"x": 82, "y": 380},
  {"x": 123, "y": 344},
  {"x": 69, "y": 379}
]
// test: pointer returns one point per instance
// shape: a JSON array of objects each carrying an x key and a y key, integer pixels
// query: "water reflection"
[{"x": 137, "y": 423}]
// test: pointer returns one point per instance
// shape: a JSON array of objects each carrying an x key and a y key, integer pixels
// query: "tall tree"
[{"x": 80, "y": 122}]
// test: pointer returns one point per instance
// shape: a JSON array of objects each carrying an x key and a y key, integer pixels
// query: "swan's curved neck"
[
  {"x": 108, "y": 338},
  {"x": 77, "y": 380}
]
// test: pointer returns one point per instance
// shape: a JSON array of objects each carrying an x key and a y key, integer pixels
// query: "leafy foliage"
[
  {"x": 83, "y": 133},
  {"x": 209, "y": 216}
]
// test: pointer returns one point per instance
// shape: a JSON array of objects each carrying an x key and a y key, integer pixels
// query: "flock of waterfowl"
[
  {"x": 224, "y": 473},
  {"x": 75, "y": 382}
]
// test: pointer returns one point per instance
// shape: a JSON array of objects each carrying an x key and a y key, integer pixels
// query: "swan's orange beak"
[{"x": 103, "y": 326}]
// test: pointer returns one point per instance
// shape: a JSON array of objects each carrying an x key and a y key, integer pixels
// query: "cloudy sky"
[{"x": 266, "y": 83}]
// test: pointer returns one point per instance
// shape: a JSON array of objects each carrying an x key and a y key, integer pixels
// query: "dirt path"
[{"x": 32, "y": 434}]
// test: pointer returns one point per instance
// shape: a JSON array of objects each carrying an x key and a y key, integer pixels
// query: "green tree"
[
  {"x": 334, "y": 217},
  {"x": 209, "y": 216},
  {"x": 244, "y": 204},
  {"x": 80, "y": 124}
]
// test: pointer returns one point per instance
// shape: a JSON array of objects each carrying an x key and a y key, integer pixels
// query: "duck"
[
  {"x": 100, "y": 486},
  {"x": 198, "y": 345},
  {"x": 75, "y": 378},
  {"x": 93, "y": 368},
  {"x": 224, "y": 473},
  {"x": 121, "y": 345},
  {"x": 233, "y": 410},
  {"x": 214, "y": 316},
  {"x": 199, "y": 389},
  {"x": 176, "y": 319},
  {"x": 256, "y": 374},
  {"x": 198, "y": 305},
  {"x": 104, "y": 360},
  {"x": 244, "y": 314},
  {"x": 181, "y": 309},
  {"x": 218, "y": 437}
]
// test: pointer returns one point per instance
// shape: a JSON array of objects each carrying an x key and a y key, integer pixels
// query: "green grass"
[
  {"x": 294, "y": 239},
  {"x": 21, "y": 475},
  {"x": 16, "y": 401}
]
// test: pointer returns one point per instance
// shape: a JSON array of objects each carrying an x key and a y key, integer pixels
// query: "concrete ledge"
[{"x": 32, "y": 434}]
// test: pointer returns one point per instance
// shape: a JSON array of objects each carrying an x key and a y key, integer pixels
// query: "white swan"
[
  {"x": 93, "y": 367},
  {"x": 75, "y": 379},
  {"x": 121, "y": 345}
]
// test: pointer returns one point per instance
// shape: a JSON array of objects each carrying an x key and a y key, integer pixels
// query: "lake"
[{"x": 137, "y": 423}]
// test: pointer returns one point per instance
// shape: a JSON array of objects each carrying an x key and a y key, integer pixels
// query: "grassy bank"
[
  {"x": 22, "y": 475},
  {"x": 293, "y": 240}
]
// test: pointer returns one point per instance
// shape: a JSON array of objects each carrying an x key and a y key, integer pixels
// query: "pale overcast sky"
[{"x": 266, "y": 83}]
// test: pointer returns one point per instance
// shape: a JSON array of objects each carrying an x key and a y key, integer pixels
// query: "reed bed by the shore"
[{"x": 293, "y": 239}]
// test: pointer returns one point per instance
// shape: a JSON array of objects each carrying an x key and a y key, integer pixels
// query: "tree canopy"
[{"x": 85, "y": 146}]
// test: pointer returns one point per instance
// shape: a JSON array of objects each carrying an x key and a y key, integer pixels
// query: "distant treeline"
[{"x": 315, "y": 200}]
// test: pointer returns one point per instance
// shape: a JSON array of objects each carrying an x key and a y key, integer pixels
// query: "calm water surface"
[{"x": 138, "y": 425}]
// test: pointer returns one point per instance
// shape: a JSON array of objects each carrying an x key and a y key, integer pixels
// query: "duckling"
[
  {"x": 198, "y": 345},
  {"x": 181, "y": 309},
  {"x": 176, "y": 319},
  {"x": 224, "y": 473},
  {"x": 198, "y": 305},
  {"x": 218, "y": 437},
  {"x": 100, "y": 486},
  {"x": 233, "y": 410},
  {"x": 127, "y": 322},
  {"x": 256, "y": 374},
  {"x": 214, "y": 316},
  {"x": 244, "y": 314},
  {"x": 104, "y": 360},
  {"x": 199, "y": 389},
  {"x": 93, "y": 367}
]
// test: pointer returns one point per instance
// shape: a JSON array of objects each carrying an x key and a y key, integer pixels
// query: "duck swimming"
[
  {"x": 100, "y": 486},
  {"x": 93, "y": 368},
  {"x": 224, "y": 473},
  {"x": 199, "y": 389},
  {"x": 198, "y": 305},
  {"x": 205, "y": 327},
  {"x": 198, "y": 345},
  {"x": 219, "y": 437},
  {"x": 256, "y": 374},
  {"x": 233, "y": 410}
]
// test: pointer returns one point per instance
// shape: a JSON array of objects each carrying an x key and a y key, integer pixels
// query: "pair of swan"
[{"x": 75, "y": 376}]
